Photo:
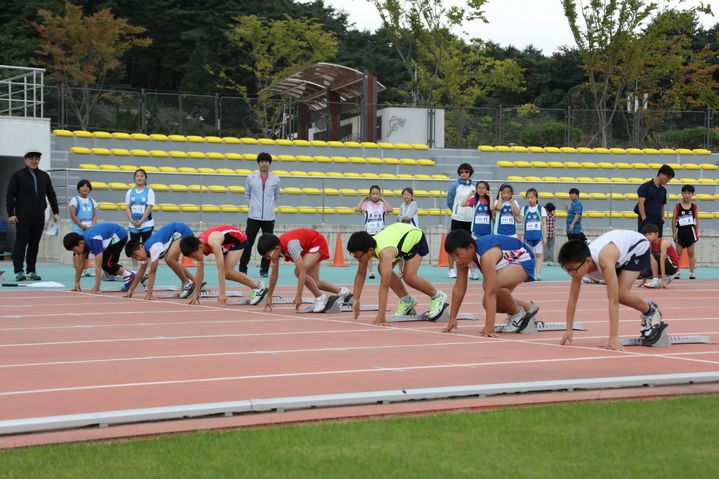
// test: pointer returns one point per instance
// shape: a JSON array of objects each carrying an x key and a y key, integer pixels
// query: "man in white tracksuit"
[{"x": 461, "y": 215}]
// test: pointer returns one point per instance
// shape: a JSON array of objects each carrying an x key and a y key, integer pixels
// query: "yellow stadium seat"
[
  {"x": 82, "y": 134},
  {"x": 323, "y": 159},
  {"x": 328, "y": 210},
  {"x": 522, "y": 164},
  {"x": 229, "y": 209},
  {"x": 438, "y": 177},
  {"x": 284, "y": 142},
  {"x": 99, "y": 185},
  {"x": 520, "y": 149},
  {"x": 62, "y": 132},
  {"x": 80, "y": 150},
  {"x": 331, "y": 191},
  {"x": 532, "y": 178},
  {"x": 705, "y": 215},
  {"x": 266, "y": 141},
  {"x": 568, "y": 149},
  {"x": 210, "y": 208},
  {"x": 150, "y": 169},
  {"x": 515, "y": 178},
  {"x": 159, "y": 153},
  {"x": 189, "y": 208},
  {"x": 218, "y": 188},
  {"x": 667, "y": 151},
  {"x": 286, "y": 158},
  {"x": 567, "y": 179},
  {"x": 373, "y": 160},
  {"x": 318, "y": 143},
  {"x": 585, "y": 179},
  {"x": 168, "y": 169},
  {"x": 335, "y": 144},
  {"x": 623, "y": 166},
  {"x": 421, "y": 193},
  {"x": 213, "y": 139},
  {"x": 225, "y": 171},
  {"x": 104, "y": 205},
  {"x": 505, "y": 164},
  {"x": 616, "y": 214},
  {"x": 308, "y": 210},
  {"x": 348, "y": 192},
  {"x": 589, "y": 164},
  {"x": 486, "y": 148},
  {"x": 502, "y": 148},
  {"x": 419, "y": 146},
  {"x": 369, "y": 144},
  {"x": 234, "y": 156},
  {"x": 408, "y": 161},
  {"x": 703, "y": 196},
  {"x": 585, "y": 150},
  {"x": 599, "y": 196},
  {"x": 102, "y": 134},
  {"x": 117, "y": 185},
  {"x": 701, "y": 151},
  {"x": 709, "y": 166},
  {"x": 552, "y": 149},
  {"x": 197, "y": 188},
  {"x": 602, "y": 151},
  {"x": 550, "y": 178},
  {"x": 684, "y": 151},
  {"x": 546, "y": 195},
  {"x": 618, "y": 151},
  {"x": 392, "y": 161},
  {"x": 100, "y": 151},
  {"x": 422, "y": 176},
  {"x": 706, "y": 180},
  {"x": 198, "y": 155},
  {"x": 301, "y": 143},
  {"x": 387, "y": 175},
  {"x": 572, "y": 164},
  {"x": 629, "y": 214},
  {"x": 539, "y": 164},
  {"x": 676, "y": 166},
  {"x": 385, "y": 145},
  {"x": 606, "y": 165},
  {"x": 535, "y": 149},
  {"x": 109, "y": 167},
  {"x": 403, "y": 146},
  {"x": 602, "y": 179},
  {"x": 333, "y": 174},
  {"x": 640, "y": 166},
  {"x": 555, "y": 164},
  {"x": 340, "y": 159},
  {"x": 159, "y": 187},
  {"x": 312, "y": 191},
  {"x": 120, "y": 152},
  {"x": 426, "y": 162},
  {"x": 177, "y": 154},
  {"x": 158, "y": 137},
  {"x": 305, "y": 158},
  {"x": 631, "y": 196},
  {"x": 650, "y": 151},
  {"x": 691, "y": 166},
  {"x": 369, "y": 175},
  {"x": 87, "y": 166},
  {"x": 596, "y": 214},
  {"x": 231, "y": 140},
  {"x": 235, "y": 189},
  {"x": 635, "y": 151},
  {"x": 561, "y": 195},
  {"x": 177, "y": 138},
  {"x": 248, "y": 141},
  {"x": 128, "y": 167},
  {"x": 298, "y": 173},
  {"x": 636, "y": 180},
  {"x": 561, "y": 214},
  {"x": 213, "y": 155},
  {"x": 187, "y": 169},
  {"x": 687, "y": 181},
  {"x": 140, "y": 136}
]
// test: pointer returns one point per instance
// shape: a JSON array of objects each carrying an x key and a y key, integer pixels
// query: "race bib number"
[
  {"x": 685, "y": 220},
  {"x": 507, "y": 220},
  {"x": 481, "y": 220},
  {"x": 87, "y": 223},
  {"x": 137, "y": 209},
  {"x": 533, "y": 226},
  {"x": 374, "y": 227}
]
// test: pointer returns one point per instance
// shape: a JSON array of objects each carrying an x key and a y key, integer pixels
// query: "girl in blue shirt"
[{"x": 508, "y": 214}]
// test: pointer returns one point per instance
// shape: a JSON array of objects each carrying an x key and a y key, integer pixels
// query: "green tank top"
[{"x": 392, "y": 234}]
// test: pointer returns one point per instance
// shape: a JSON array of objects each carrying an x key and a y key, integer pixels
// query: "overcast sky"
[{"x": 511, "y": 22}]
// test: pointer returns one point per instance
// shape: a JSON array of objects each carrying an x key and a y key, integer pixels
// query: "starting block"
[
  {"x": 118, "y": 289},
  {"x": 536, "y": 326},
  {"x": 665, "y": 340},
  {"x": 334, "y": 306},
  {"x": 275, "y": 300},
  {"x": 442, "y": 318},
  {"x": 205, "y": 293}
]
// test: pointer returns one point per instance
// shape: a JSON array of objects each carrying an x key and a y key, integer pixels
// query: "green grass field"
[{"x": 668, "y": 438}]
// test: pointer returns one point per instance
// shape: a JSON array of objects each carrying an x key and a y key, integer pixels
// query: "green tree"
[
  {"x": 276, "y": 48},
  {"x": 80, "y": 51}
]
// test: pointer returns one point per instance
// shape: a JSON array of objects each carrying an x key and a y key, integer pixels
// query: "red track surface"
[{"x": 68, "y": 353}]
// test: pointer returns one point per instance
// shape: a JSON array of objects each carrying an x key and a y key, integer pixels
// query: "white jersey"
[{"x": 630, "y": 244}]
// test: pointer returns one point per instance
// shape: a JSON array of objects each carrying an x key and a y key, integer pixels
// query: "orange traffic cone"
[
  {"x": 89, "y": 264},
  {"x": 684, "y": 260},
  {"x": 339, "y": 259},
  {"x": 443, "y": 260},
  {"x": 188, "y": 262}
]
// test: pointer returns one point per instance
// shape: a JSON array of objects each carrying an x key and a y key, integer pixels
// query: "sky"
[{"x": 520, "y": 23}]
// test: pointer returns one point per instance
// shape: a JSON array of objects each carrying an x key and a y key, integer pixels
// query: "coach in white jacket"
[
  {"x": 262, "y": 189},
  {"x": 461, "y": 215}
]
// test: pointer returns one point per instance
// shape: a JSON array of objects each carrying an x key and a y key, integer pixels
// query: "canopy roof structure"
[{"x": 312, "y": 85}]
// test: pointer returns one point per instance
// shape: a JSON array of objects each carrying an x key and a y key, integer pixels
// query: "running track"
[{"x": 70, "y": 353}]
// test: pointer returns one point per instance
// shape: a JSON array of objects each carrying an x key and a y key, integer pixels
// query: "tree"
[
  {"x": 276, "y": 48},
  {"x": 81, "y": 50}
]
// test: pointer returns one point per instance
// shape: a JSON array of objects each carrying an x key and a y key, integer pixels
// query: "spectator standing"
[
  {"x": 27, "y": 191},
  {"x": 262, "y": 189},
  {"x": 652, "y": 198},
  {"x": 551, "y": 222},
  {"x": 461, "y": 215},
  {"x": 574, "y": 216}
]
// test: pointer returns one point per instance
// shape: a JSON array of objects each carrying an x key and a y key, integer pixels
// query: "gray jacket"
[{"x": 261, "y": 201}]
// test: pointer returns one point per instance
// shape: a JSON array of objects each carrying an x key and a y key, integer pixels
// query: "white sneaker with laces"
[
  {"x": 513, "y": 322},
  {"x": 187, "y": 288},
  {"x": 654, "y": 283},
  {"x": 452, "y": 273},
  {"x": 320, "y": 303},
  {"x": 344, "y": 292}
]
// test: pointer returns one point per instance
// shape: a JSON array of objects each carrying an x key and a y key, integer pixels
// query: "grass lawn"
[{"x": 667, "y": 438}]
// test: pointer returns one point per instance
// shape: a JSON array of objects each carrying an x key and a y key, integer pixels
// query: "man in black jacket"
[{"x": 26, "y": 205}]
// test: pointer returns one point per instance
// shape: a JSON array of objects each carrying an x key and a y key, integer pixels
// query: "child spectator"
[
  {"x": 685, "y": 228},
  {"x": 407, "y": 214},
  {"x": 483, "y": 205},
  {"x": 535, "y": 227},
  {"x": 83, "y": 211},
  {"x": 139, "y": 201},
  {"x": 551, "y": 221},
  {"x": 505, "y": 263},
  {"x": 616, "y": 257},
  {"x": 574, "y": 216},
  {"x": 461, "y": 215},
  {"x": 305, "y": 248},
  {"x": 374, "y": 207},
  {"x": 664, "y": 259},
  {"x": 508, "y": 214}
]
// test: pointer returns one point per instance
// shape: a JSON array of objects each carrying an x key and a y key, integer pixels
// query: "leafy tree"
[
  {"x": 81, "y": 50},
  {"x": 277, "y": 48}
]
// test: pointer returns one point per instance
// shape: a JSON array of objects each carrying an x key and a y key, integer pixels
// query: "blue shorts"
[
  {"x": 421, "y": 248},
  {"x": 637, "y": 263}
]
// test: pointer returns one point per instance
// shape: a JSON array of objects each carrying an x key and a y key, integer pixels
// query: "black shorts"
[
  {"x": 669, "y": 267},
  {"x": 141, "y": 237},
  {"x": 111, "y": 256},
  {"x": 235, "y": 244},
  {"x": 637, "y": 263},
  {"x": 461, "y": 225},
  {"x": 686, "y": 237},
  {"x": 421, "y": 248}
]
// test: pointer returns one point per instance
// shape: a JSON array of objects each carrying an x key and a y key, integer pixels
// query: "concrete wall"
[{"x": 20, "y": 134}]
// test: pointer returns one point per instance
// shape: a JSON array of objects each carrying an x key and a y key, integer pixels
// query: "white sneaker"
[
  {"x": 474, "y": 274},
  {"x": 320, "y": 303},
  {"x": 452, "y": 273},
  {"x": 344, "y": 292},
  {"x": 654, "y": 284},
  {"x": 187, "y": 288},
  {"x": 537, "y": 277},
  {"x": 514, "y": 321},
  {"x": 256, "y": 295}
]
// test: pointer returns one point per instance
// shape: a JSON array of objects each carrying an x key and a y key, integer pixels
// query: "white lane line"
[
  {"x": 308, "y": 374},
  {"x": 171, "y": 323},
  {"x": 244, "y": 353},
  {"x": 93, "y": 313}
]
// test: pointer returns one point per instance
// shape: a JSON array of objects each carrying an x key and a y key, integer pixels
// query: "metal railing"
[{"x": 22, "y": 93}]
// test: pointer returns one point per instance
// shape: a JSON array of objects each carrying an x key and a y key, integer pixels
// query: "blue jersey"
[
  {"x": 504, "y": 222},
  {"x": 481, "y": 219},
  {"x": 99, "y": 237},
  {"x": 514, "y": 251},
  {"x": 84, "y": 210},
  {"x": 138, "y": 202},
  {"x": 533, "y": 229},
  {"x": 575, "y": 208},
  {"x": 158, "y": 244}
]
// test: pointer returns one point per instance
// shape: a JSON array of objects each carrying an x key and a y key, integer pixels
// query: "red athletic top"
[
  {"x": 233, "y": 236},
  {"x": 671, "y": 252},
  {"x": 311, "y": 241}
]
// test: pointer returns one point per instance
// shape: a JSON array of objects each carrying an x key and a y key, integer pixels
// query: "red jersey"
[
  {"x": 307, "y": 241},
  {"x": 234, "y": 237},
  {"x": 671, "y": 252}
]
